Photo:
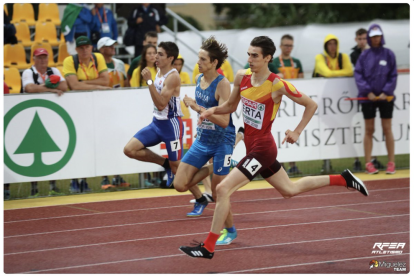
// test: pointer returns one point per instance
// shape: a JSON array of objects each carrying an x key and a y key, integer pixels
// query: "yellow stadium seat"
[
  {"x": 63, "y": 53},
  {"x": 62, "y": 38},
  {"x": 126, "y": 67},
  {"x": 23, "y": 12},
  {"x": 47, "y": 47},
  {"x": 60, "y": 68},
  {"x": 46, "y": 32},
  {"x": 23, "y": 33},
  {"x": 12, "y": 79},
  {"x": 5, "y": 9},
  {"x": 15, "y": 56},
  {"x": 49, "y": 12}
]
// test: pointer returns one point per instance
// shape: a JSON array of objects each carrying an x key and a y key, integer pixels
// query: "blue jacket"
[
  {"x": 111, "y": 22},
  {"x": 376, "y": 70},
  {"x": 82, "y": 23}
]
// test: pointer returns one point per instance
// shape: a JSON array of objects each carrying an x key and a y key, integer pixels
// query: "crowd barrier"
[{"x": 82, "y": 134}]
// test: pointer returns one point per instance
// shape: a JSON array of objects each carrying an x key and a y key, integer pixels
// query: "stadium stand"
[
  {"x": 13, "y": 80},
  {"x": 48, "y": 48},
  {"x": 49, "y": 12},
  {"x": 5, "y": 9},
  {"x": 23, "y": 33},
  {"x": 23, "y": 12},
  {"x": 62, "y": 54},
  {"x": 46, "y": 32},
  {"x": 15, "y": 56}
]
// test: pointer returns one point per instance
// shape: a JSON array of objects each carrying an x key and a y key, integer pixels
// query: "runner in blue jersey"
[
  {"x": 167, "y": 125},
  {"x": 215, "y": 136}
]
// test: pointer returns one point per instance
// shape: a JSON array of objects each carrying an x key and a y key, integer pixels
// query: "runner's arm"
[{"x": 170, "y": 85}]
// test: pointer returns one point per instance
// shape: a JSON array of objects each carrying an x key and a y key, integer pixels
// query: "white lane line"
[
  {"x": 205, "y": 217},
  {"x": 315, "y": 263},
  {"x": 202, "y": 233},
  {"x": 347, "y": 192},
  {"x": 229, "y": 249}
]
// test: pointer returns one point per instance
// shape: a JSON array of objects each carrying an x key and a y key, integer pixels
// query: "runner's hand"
[
  {"x": 205, "y": 114},
  {"x": 146, "y": 74},
  {"x": 291, "y": 137},
  {"x": 189, "y": 102}
]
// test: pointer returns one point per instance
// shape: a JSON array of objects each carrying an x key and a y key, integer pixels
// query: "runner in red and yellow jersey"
[{"x": 261, "y": 93}]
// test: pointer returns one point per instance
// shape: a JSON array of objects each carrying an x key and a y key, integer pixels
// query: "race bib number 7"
[
  {"x": 175, "y": 145},
  {"x": 253, "y": 113}
]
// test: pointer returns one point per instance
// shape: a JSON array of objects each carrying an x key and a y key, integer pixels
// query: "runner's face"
[
  {"x": 204, "y": 63},
  {"x": 286, "y": 46},
  {"x": 151, "y": 40},
  {"x": 256, "y": 60},
  {"x": 161, "y": 59},
  {"x": 150, "y": 56}
]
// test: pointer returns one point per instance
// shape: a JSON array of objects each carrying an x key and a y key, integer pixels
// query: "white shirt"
[
  {"x": 27, "y": 77},
  {"x": 173, "y": 108}
]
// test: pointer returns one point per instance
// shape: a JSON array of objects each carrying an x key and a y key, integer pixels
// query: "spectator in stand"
[
  {"x": 77, "y": 21},
  {"x": 142, "y": 19},
  {"x": 41, "y": 78},
  {"x": 86, "y": 70},
  {"x": 150, "y": 38},
  {"x": 288, "y": 67},
  {"x": 376, "y": 78},
  {"x": 9, "y": 31},
  {"x": 178, "y": 64},
  {"x": 104, "y": 24},
  {"x": 116, "y": 67},
  {"x": 149, "y": 53},
  {"x": 361, "y": 40},
  {"x": 332, "y": 63},
  {"x": 224, "y": 70}
]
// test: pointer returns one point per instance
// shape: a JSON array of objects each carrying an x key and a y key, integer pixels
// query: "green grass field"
[{"x": 22, "y": 190}]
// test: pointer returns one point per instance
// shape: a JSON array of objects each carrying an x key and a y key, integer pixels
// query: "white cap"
[
  {"x": 374, "y": 32},
  {"x": 106, "y": 41}
]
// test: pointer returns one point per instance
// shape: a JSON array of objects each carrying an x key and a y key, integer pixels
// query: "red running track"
[{"x": 330, "y": 230}]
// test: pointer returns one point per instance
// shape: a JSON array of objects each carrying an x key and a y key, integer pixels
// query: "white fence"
[{"x": 82, "y": 134}]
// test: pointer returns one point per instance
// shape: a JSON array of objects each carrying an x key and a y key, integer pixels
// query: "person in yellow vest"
[
  {"x": 332, "y": 63},
  {"x": 225, "y": 70},
  {"x": 287, "y": 66},
  {"x": 116, "y": 67},
  {"x": 184, "y": 76},
  {"x": 86, "y": 70},
  {"x": 147, "y": 61}
]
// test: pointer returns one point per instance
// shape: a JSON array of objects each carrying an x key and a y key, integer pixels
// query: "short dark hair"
[
  {"x": 171, "y": 49},
  {"x": 360, "y": 32},
  {"x": 150, "y": 34},
  {"x": 215, "y": 50},
  {"x": 288, "y": 36},
  {"x": 267, "y": 45}
]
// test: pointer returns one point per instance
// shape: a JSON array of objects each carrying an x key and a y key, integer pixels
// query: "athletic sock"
[
  {"x": 202, "y": 199},
  {"x": 166, "y": 164},
  {"x": 337, "y": 180},
  {"x": 210, "y": 242},
  {"x": 231, "y": 229}
]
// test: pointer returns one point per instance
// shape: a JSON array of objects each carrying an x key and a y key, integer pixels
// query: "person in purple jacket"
[{"x": 376, "y": 78}]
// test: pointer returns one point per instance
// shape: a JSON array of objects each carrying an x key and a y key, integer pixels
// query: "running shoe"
[
  {"x": 198, "y": 209},
  {"x": 209, "y": 198},
  {"x": 198, "y": 251},
  {"x": 354, "y": 182},
  {"x": 54, "y": 193},
  {"x": 170, "y": 177},
  {"x": 226, "y": 237},
  {"x": 233, "y": 163},
  {"x": 390, "y": 168},
  {"x": 241, "y": 130},
  {"x": 370, "y": 168}
]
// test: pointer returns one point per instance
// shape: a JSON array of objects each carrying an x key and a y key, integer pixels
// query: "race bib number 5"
[
  {"x": 253, "y": 113},
  {"x": 175, "y": 145}
]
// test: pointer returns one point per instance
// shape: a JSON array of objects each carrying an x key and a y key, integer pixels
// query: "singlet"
[
  {"x": 208, "y": 132},
  {"x": 259, "y": 110},
  {"x": 173, "y": 108}
]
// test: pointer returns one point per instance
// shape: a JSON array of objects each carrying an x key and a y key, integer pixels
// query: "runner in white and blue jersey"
[
  {"x": 167, "y": 125},
  {"x": 215, "y": 137}
]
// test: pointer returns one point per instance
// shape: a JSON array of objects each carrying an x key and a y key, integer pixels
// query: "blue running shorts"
[
  {"x": 168, "y": 131},
  {"x": 199, "y": 154}
]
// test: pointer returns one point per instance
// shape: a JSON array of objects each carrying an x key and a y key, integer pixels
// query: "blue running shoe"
[
  {"x": 198, "y": 209},
  {"x": 170, "y": 177},
  {"x": 233, "y": 163},
  {"x": 226, "y": 237}
]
